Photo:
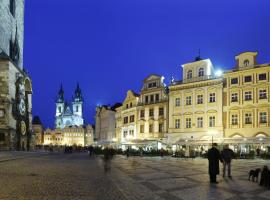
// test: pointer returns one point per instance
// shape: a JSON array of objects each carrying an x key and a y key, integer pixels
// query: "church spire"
[
  {"x": 60, "y": 97},
  {"x": 78, "y": 93}
]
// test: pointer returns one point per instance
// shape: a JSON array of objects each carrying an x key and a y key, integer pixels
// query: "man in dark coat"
[
  {"x": 213, "y": 157},
  {"x": 227, "y": 155}
]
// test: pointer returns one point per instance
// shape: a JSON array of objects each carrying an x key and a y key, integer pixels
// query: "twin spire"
[{"x": 78, "y": 94}]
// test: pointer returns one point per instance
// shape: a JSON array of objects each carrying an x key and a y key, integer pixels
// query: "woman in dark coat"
[{"x": 214, "y": 157}]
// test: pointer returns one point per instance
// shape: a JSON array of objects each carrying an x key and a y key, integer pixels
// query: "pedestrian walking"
[
  {"x": 227, "y": 155},
  {"x": 214, "y": 157}
]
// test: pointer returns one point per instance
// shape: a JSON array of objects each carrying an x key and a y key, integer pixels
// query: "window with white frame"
[
  {"x": 234, "y": 97},
  {"x": 212, "y": 121},
  {"x": 248, "y": 118},
  {"x": 262, "y": 94},
  {"x": 177, "y": 102},
  {"x": 131, "y": 133},
  {"x": 201, "y": 72},
  {"x": 200, "y": 99},
  {"x": 234, "y": 119},
  {"x": 189, "y": 74},
  {"x": 199, "y": 122},
  {"x": 177, "y": 123},
  {"x": 188, "y": 122},
  {"x": 212, "y": 97},
  {"x": 263, "y": 117},
  {"x": 188, "y": 100},
  {"x": 125, "y": 134},
  {"x": 248, "y": 96}
]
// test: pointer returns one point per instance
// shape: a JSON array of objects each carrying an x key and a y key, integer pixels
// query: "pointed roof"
[
  {"x": 60, "y": 97},
  {"x": 78, "y": 93}
]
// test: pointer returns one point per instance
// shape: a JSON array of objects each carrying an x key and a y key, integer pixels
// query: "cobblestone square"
[{"x": 78, "y": 176}]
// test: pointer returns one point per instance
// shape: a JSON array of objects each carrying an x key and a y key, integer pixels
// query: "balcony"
[
  {"x": 153, "y": 102},
  {"x": 196, "y": 79}
]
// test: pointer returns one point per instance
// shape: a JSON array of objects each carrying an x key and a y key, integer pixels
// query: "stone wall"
[{"x": 8, "y": 24}]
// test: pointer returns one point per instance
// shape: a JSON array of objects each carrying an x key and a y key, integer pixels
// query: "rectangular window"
[
  {"x": 125, "y": 120},
  {"x": 177, "y": 123},
  {"x": 161, "y": 111},
  {"x": 234, "y": 119},
  {"x": 262, "y": 77},
  {"x": 263, "y": 117},
  {"x": 12, "y": 7},
  {"x": 199, "y": 122},
  {"x": 248, "y": 79},
  {"x": 160, "y": 128},
  {"x": 142, "y": 114},
  {"x": 212, "y": 97},
  {"x": 131, "y": 118},
  {"x": 151, "y": 112},
  {"x": 248, "y": 118},
  {"x": 126, "y": 106},
  {"x": 151, "y": 98},
  {"x": 234, "y": 81},
  {"x": 263, "y": 94},
  {"x": 150, "y": 128},
  {"x": 200, "y": 99},
  {"x": 188, "y": 122},
  {"x": 234, "y": 97},
  {"x": 212, "y": 121},
  {"x": 177, "y": 102},
  {"x": 157, "y": 97},
  {"x": 188, "y": 100},
  {"x": 151, "y": 85},
  {"x": 248, "y": 96},
  {"x": 131, "y": 133},
  {"x": 146, "y": 99},
  {"x": 125, "y": 134},
  {"x": 142, "y": 128}
]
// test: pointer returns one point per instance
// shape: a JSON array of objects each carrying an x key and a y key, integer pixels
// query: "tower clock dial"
[
  {"x": 23, "y": 128},
  {"x": 21, "y": 107}
]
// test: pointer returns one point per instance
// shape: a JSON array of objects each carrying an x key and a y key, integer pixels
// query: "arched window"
[
  {"x": 189, "y": 74},
  {"x": 201, "y": 72},
  {"x": 246, "y": 63}
]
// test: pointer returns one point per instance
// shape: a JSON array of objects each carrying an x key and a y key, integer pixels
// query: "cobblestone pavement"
[
  {"x": 56, "y": 177},
  {"x": 174, "y": 179},
  {"x": 77, "y": 176}
]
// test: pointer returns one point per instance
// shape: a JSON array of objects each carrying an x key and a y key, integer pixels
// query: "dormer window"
[
  {"x": 151, "y": 85},
  {"x": 201, "y": 72},
  {"x": 189, "y": 74},
  {"x": 246, "y": 63}
]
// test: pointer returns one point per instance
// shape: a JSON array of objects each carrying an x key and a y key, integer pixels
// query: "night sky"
[{"x": 110, "y": 46}]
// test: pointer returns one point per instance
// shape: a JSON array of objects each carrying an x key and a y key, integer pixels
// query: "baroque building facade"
[
  {"x": 142, "y": 120},
  {"x": 195, "y": 105},
  {"x": 16, "y": 86},
  {"x": 246, "y": 100},
  {"x": 38, "y": 130}
]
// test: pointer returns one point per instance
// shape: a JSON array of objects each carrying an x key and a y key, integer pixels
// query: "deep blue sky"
[{"x": 110, "y": 46}]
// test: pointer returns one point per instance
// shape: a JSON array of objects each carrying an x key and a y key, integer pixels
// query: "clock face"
[
  {"x": 23, "y": 128},
  {"x": 22, "y": 107}
]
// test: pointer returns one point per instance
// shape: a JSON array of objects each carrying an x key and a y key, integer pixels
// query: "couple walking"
[{"x": 214, "y": 156}]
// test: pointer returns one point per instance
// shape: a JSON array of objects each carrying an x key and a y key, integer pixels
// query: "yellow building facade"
[
  {"x": 246, "y": 100},
  {"x": 195, "y": 105}
]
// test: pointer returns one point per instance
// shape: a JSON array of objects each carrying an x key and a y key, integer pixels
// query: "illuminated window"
[
  {"x": 199, "y": 122},
  {"x": 177, "y": 123},
  {"x": 263, "y": 94},
  {"x": 263, "y": 117},
  {"x": 234, "y": 119},
  {"x": 188, "y": 122},
  {"x": 248, "y": 96},
  {"x": 200, "y": 99},
  {"x": 189, "y": 74},
  {"x": 234, "y": 97},
  {"x": 188, "y": 100},
  {"x": 248, "y": 118},
  {"x": 212, "y": 97},
  {"x": 201, "y": 72},
  {"x": 177, "y": 102},
  {"x": 212, "y": 121}
]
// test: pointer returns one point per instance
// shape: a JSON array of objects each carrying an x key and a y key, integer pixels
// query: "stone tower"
[
  {"x": 11, "y": 30},
  {"x": 77, "y": 103}
]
